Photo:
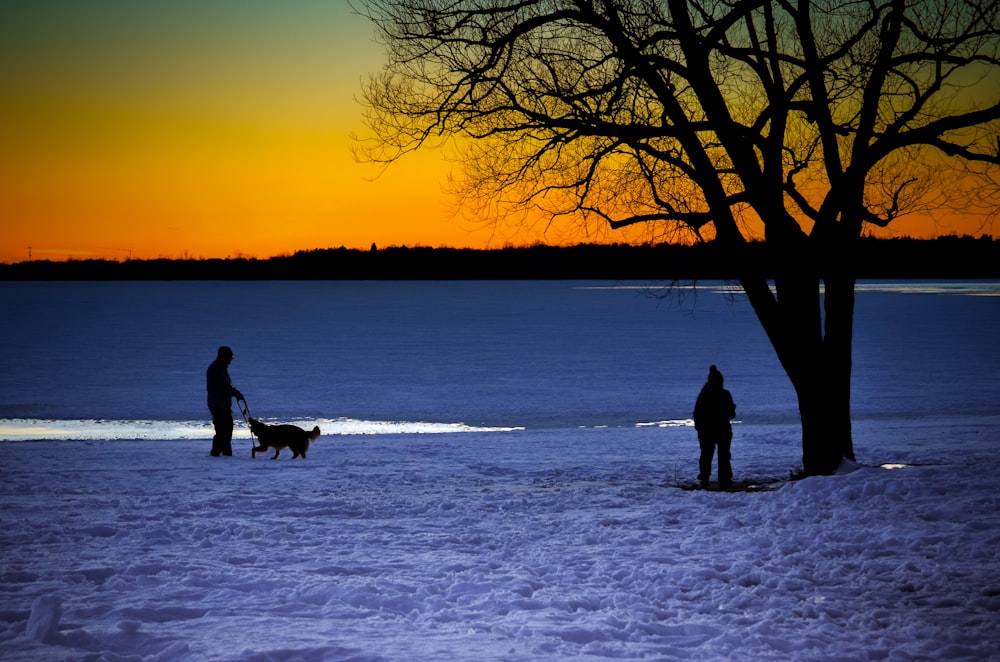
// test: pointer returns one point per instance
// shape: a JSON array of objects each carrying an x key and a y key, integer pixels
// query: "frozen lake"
[
  {"x": 498, "y": 477},
  {"x": 382, "y": 357}
]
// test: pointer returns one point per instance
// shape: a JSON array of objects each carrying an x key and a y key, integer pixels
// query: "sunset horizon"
[
  {"x": 204, "y": 131},
  {"x": 210, "y": 131}
]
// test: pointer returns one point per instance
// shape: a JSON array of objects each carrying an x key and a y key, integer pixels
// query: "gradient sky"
[
  {"x": 207, "y": 128},
  {"x": 201, "y": 128}
]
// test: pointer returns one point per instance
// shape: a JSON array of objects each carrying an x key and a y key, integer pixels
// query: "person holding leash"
[{"x": 220, "y": 401}]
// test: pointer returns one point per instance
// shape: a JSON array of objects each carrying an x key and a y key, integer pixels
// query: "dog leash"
[{"x": 245, "y": 411}]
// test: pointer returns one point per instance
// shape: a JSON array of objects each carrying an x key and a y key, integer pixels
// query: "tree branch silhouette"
[{"x": 807, "y": 119}]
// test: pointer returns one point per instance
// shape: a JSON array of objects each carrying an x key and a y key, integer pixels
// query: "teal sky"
[{"x": 272, "y": 56}]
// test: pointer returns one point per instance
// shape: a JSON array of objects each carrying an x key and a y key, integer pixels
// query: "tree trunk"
[
  {"x": 826, "y": 425},
  {"x": 815, "y": 352},
  {"x": 837, "y": 359}
]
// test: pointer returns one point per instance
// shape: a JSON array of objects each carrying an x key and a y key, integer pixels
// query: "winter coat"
[
  {"x": 713, "y": 410},
  {"x": 219, "y": 385}
]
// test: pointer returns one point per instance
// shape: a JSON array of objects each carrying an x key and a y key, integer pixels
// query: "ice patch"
[
  {"x": 675, "y": 423},
  {"x": 21, "y": 429}
]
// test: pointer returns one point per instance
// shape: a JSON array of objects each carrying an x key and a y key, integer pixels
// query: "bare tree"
[{"x": 798, "y": 122}]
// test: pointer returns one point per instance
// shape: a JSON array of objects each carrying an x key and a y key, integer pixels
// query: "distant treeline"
[{"x": 945, "y": 257}]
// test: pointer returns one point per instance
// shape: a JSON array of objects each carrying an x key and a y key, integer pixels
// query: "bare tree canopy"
[
  {"x": 798, "y": 115},
  {"x": 724, "y": 119}
]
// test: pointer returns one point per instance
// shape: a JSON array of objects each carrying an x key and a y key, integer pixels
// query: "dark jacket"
[
  {"x": 219, "y": 385},
  {"x": 713, "y": 410}
]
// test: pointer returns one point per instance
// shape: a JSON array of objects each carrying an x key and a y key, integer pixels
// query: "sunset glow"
[
  {"x": 202, "y": 130},
  {"x": 187, "y": 129}
]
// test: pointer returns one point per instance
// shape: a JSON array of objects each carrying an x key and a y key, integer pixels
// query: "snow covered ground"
[
  {"x": 503, "y": 546},
  {"x": 497, "y": 494}
]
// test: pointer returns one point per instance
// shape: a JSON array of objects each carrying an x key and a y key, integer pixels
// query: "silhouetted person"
[
  {"x": 712, "y": 414},
  {"x": 220, "y": 401}
]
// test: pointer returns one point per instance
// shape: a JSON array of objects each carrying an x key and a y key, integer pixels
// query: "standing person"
[
  {"x": 220, "y": 401},
  {"x": 712, "y": 414}
]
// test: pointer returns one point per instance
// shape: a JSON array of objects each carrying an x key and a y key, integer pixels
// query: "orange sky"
[
  {"x": 200, "y": 129},
  {"x": 204, "y": 129}
]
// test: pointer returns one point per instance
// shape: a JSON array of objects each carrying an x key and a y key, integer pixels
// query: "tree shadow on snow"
[{"x": 754, "y": 485}]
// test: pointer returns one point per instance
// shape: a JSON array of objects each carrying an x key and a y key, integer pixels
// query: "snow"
[
  {"x": 502, "y": 545},
  {"x": 539, "y": 513}
]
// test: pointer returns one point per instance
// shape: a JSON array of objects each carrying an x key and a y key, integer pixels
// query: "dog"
[{"x": 280, "y": 437}]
